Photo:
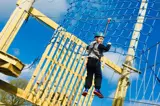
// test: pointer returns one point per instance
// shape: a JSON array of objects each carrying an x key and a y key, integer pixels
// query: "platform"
[{"x": 10, "y": 65}]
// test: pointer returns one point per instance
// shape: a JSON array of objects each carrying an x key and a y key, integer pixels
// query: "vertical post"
[
  {"x": 14, "y": 23},
  {"x": 124, "y": 81}
]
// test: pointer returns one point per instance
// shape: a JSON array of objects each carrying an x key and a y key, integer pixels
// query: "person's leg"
[
  {"x": 98, "y": 80},
  {"x": 98, "y": 76},
  {"x": 89, "y": 77}
]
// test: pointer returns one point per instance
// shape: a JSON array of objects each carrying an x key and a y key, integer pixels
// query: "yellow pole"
[
  {"x": 14, "y": 23},
  {"x": 124, "y": 81}
]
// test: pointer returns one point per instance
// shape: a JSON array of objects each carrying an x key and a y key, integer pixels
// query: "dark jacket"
[{"x": 97, "y": 50}]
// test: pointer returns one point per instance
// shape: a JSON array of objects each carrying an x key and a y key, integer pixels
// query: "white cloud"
[
  {"x": 54, "y": 9},
  {"x": 6, "y": 8},
  {"x": 112, "y": 94},
  {"x": 16, "y": 51},
  {"x": 119, "y": 60},
  {"x": 4, "y": 77},
  {"x": 27, "y": 71}
]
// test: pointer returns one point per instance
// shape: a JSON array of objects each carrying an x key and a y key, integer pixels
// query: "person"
[{"x": 93, "y": 65}]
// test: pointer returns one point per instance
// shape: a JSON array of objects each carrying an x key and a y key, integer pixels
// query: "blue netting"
[
  {"x": 86, "y": 17},
  {"x": 145, "y": 87}
]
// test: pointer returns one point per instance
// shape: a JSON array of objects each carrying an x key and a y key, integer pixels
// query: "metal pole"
[{"x": 124, "y": 81}]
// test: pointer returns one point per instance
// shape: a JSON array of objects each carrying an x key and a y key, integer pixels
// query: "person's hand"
[{"x": 109, "y": 43}]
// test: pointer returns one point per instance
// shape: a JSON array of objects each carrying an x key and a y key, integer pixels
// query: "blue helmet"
[{"x": 99, "y": 34}]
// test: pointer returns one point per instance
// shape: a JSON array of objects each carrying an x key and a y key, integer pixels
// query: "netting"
[
  {"x": 146, "y": 86},
  {"x": 86, "y": 17}
]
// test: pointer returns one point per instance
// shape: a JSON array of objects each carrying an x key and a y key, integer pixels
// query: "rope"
[
  {"x": 134, "y": 101},
  {"x": 154, "y": 85},
  {"x": 143, "y": 77},
  {"x": 32, "y": 64}
]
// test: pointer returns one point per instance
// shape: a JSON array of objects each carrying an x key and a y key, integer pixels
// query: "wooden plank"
[
  {"x": 70, "y": 75},
  {"x": 112, "y": 65},
  {"x": 11, "y": 89},
  {"x": 30, "y": 84},
  {"x": 42, "y": 60},
  {"x": 84, "y": 99},
  {"x": 67, "y": 57},
  {"x": 35, "y": 87},
  {"x": 48, "y": 74},
  {"x": 88, "y": 98},
  {"x": 59, "y": 85},
  {"x": 70, "y": 92},
  {"x": 42, "y": 87},
  {"x": 13, "y": 25},
  {"x": 78, "y": 88},
  {"x": 15, "y": 31},
  {"x": 56, "y": 70},
  {"x": 54, "y": 74},
  {"x": 10, "y": 65},
  {"x": 40, "y": 16}
]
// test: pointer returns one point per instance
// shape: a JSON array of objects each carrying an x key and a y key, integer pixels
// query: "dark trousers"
[{"x": 93, "y": 68}]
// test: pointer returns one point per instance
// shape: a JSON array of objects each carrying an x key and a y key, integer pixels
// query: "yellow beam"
[
  {"x": 123, "y": 83},
  {"x": 112, "y": 65},
  {"x": 14, "y": 23},
  {"x": 40, "y": 16},
  {"x": 89, "y": 97},
  {"x": 12, "y": 89},
  {"x": 50, "y": 69},
  {"x": 75, "y": 71},
  {"x": 38, "y": 68},
  {"x": 2, "y": 104}
]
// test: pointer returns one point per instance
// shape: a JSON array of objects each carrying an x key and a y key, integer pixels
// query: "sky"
[{"x": 34, "y": 36}]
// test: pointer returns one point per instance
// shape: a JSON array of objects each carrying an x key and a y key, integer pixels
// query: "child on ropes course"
[{"x": 95, "y": 52}]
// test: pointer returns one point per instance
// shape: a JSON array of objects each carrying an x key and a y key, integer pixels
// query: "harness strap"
[{"x": 92, "y": 49}]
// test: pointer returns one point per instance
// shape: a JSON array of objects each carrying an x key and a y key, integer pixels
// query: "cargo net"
[{"x": 118, "y": 20}]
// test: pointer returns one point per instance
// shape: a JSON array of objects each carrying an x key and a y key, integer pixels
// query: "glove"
[{"x": 109, "y": 43}]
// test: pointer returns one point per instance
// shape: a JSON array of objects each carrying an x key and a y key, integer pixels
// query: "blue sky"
[{"x": 33, "y": 37}]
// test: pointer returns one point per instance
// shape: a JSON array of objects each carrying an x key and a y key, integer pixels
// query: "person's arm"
[{"x": 104, "y": 48}]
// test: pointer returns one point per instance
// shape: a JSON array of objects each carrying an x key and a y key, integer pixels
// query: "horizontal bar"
[
  {"x": 134, "y": 69},
  {"x": 40, "y": 16}
]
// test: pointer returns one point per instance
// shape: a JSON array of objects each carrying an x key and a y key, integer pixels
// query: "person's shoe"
[
  {"x": 85, "y": 92},
  {"x": 98, "y": 93}
]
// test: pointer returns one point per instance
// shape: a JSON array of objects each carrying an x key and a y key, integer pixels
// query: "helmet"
[{"x": 99, "y": 34}]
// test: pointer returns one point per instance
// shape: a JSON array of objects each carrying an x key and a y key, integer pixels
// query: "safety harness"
[{"x": 92, "y": 50}]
